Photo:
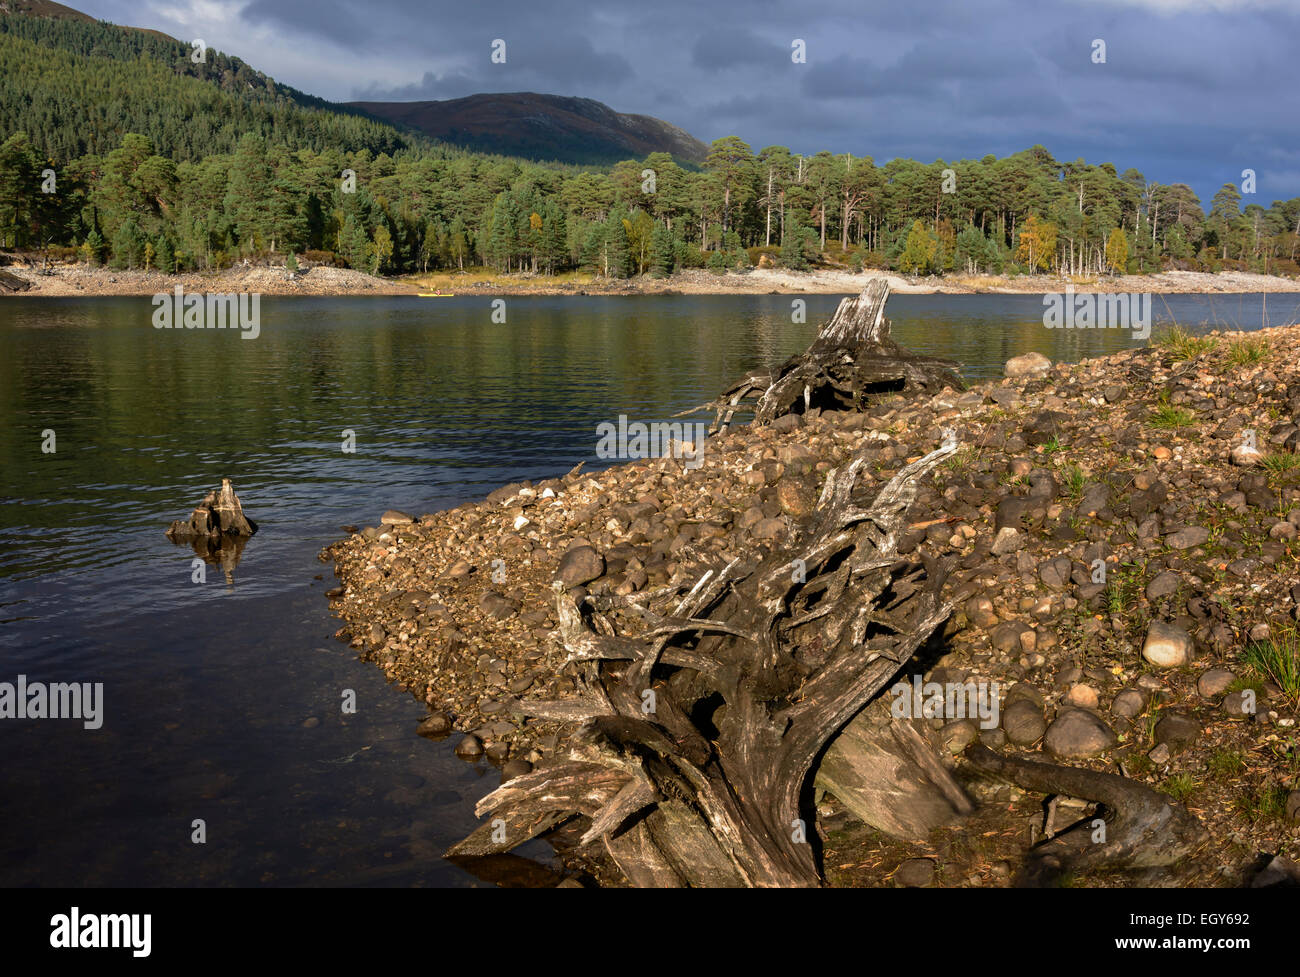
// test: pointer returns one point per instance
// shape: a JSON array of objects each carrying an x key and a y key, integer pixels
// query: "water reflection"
[{"x": 217, "y": 551}]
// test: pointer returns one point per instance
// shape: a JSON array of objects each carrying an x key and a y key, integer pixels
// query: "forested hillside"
[
  {"x": 77, "y": 88},
  {"x": 116, "y": 147}
]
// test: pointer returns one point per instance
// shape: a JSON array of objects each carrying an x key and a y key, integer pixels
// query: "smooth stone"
[
  {"x": 1166, "y": 646},
  {"x": 435, "y": 724},
  {"x": 1083, "y": 696},
  {"x": 1163, "y": 584},
  {"x": 1214, "y": 683},
  {"x": 1027, "y": 364},
  {"x": 470, "y": 747},
  {"x": 915, "y": 872},
  {"x": 580, "y": 565},
  {"x": 1078, "y": 733},
  {"x": 1128, "y": 704},
  {"x": 1023, "y": 722}
]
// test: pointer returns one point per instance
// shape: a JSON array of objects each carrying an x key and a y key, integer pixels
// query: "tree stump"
[
  {"x": 852, "y": 359},
  {"x": 703, "y": 719},
  {"x": 218, "y": 515}
]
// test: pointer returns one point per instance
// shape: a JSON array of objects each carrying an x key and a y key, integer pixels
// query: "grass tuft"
[
  {"x": 1247, "y": 352},
  {"x": 1180, "y": 786},
  {"x": 1278, "y": 661},
  {"x": 1279, "y": 462},
  {"x": 1166, "y": 416},
  {"x": 1183, "y": 345}
]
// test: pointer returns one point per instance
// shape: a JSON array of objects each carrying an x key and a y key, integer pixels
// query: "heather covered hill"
[{"x": 542, "y": 127}]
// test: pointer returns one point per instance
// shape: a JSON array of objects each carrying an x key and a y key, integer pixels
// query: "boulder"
[
  {"x": 1027, "y": 365},
  {"x": 580, "y": 565}
]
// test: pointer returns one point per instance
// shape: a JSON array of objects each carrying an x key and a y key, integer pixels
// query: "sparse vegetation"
[
  {"x": 1263, "y": 803},
  {"x": 1180, "y": 786},
  {"x": 1277, "y": 660},
  {"x": 1226, "y": 763},
  {"x": 1280, "y": 462},
  {"x": 1183, "y": 344},
  {"x": 1166, "y": 416},
  {"x": 1074, "y": 481},
  {"x": 1247, "y": 352}
]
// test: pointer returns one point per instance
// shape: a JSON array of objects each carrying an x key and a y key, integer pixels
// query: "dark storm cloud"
[
  {"x": 1192, "y": 90},
  {"x": 339, "y": 21},
  {"x": 716, "y": 50},
  {"x": 570, "y": 63}
]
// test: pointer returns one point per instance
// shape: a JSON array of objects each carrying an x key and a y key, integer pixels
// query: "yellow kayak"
[{"x": 435, "y": 295}]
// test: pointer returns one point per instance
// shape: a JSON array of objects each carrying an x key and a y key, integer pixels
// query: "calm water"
[{"x": 211, "y": 688}]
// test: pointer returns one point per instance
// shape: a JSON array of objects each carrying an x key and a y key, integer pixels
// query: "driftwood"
[
  {"x": 852, "y": 359},
  {"x": 704, "y": 721},
  {"x": 1144, "y": 829},
  {"x": 10, "y": 282}
]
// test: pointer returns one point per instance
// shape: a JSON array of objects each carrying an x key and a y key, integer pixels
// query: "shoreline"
[
  {"x": 1123, "y": 459},
  {"x": 80, "y": 280}
]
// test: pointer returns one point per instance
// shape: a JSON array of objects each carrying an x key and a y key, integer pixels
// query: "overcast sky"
[{"x": 1191, "y": 91}]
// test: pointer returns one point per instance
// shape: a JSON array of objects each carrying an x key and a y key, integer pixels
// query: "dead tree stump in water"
[
  {"x": 218, "y": 515},
  {"x": 852, "y": 359},
  {"x": 703, "y": 722}
]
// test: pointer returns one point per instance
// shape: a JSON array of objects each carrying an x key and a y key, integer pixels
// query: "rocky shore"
[
  {"x": 837, "y": 281},
  {"x": 73, "y": 280},
  {"x": 80, "y": 279},
  {"x": 1124, "y": 533}
]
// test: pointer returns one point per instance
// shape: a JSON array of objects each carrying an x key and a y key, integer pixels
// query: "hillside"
[
  {"x": 76, "y": 86},
  {"x": 541, "y": 127},
  {"x": 57, "y": 11}
]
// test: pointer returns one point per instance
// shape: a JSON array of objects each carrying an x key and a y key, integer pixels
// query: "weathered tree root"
[
  {"x": 700, "y": 733},
  {"x": 852, "y": 359},
  {"x": 219, "y": 514},
  {"x": 1143, "y": 828}
]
